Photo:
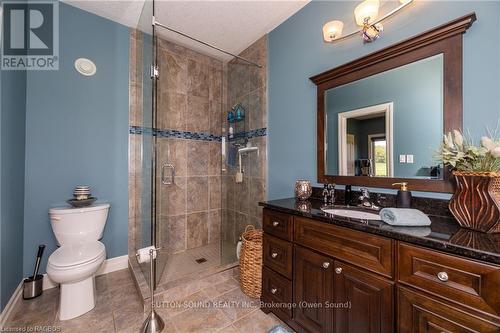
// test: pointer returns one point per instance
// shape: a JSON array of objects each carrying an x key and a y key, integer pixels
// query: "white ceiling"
[{"x": 232, "y": 25}]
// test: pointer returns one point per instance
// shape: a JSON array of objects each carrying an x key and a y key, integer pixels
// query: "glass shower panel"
[{"x": 144, "y": 63}]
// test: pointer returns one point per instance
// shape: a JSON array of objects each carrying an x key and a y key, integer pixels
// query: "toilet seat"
[{"x": 70, "y": 256}]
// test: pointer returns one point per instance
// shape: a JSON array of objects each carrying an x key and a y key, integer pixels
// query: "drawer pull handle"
[
  {"x": 273, "y": 291},
  {"x": 326, "y": 264},
  {"x": 274, "y": 255},
  {"x": 338, "y": 270},
  {"x": 442, "y": 276},
  {"x": 276, "y": 223}
]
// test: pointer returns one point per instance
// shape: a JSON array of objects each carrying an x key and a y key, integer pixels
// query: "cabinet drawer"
[
  {"x": 278, "y": 255},
  {"x": 278, "y": 224},
  {"x": 422, "y": 314},
  {"x": 459, "y": 280},
  {"x": 278, "y": 290},
  {"x": 359, "y": 248}
]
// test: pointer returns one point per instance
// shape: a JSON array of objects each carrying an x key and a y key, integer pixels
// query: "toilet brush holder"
[
  {"x": 153, "y": 323},
  {"x": 32, "y": 286}
]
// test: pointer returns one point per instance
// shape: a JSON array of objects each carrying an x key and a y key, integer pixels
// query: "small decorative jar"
[{"x": 303, "y": 189}]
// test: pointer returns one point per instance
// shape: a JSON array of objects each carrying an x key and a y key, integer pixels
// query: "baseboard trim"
[
  {"x": 108, "y": 266},
  {"x": 9, "y": 307}
]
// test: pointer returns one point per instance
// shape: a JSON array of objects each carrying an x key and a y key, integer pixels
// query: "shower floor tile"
[
  {"x": 119, "y": 309},
  {"x": 184, "y": 263}
]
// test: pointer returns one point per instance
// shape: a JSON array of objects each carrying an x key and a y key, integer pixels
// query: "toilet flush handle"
[{"x": 56, "y": 218}]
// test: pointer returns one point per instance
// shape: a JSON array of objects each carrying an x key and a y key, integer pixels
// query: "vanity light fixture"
[{"x": 366, "y": 16}]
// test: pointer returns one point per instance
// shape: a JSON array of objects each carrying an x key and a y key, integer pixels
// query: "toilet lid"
[{"x": 76, "y": 254}]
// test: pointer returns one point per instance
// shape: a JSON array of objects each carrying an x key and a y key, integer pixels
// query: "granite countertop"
[{"x": 444, "y": 234}]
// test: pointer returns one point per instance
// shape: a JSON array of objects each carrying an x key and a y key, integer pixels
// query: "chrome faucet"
[
  {"x": 365, "y": 200},
  {"x": 328, "y": 194}
]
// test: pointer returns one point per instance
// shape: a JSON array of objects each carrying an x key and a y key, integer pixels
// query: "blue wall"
[
  {"x": 77, "y": 131},
  {"x": 297, "y": 51},
  {"x": 13, "y": 124},
  {"x": 417, "y": 93}
]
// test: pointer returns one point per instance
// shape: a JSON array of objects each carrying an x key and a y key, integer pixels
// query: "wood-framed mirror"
[{"x": 381, "y": 117}]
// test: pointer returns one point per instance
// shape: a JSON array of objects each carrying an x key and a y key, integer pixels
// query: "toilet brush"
[
  {"x": 33, "y": 286},
  {"x": 154, "y": 323}
]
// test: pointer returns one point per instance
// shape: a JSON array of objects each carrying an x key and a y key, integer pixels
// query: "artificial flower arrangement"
[
  {"x": 476, "y": 168},
  {"x": 462, "y": 155}
]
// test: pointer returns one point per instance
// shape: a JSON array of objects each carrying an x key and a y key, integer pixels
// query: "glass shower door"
[{"x": 146, "y": 62}]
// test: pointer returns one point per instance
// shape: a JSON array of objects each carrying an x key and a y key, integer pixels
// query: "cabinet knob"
[
  {"x": 442, "y": 276},
  {"x": 338, "y": 270},
  {"x": 326, "y": 264},
  {"x": 276, "y": 223},
  {"x": 273, "y": 291},
  {"x": 274, "y": 255}
]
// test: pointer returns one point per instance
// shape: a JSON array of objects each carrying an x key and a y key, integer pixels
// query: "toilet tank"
[{"x": 78, "y": 225}]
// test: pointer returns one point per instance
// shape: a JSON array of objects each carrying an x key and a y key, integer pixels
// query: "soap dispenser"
[{"x": 403, "y": 199}]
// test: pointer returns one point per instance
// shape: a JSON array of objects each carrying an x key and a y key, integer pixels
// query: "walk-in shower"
[{"x": 187, "y": 146}]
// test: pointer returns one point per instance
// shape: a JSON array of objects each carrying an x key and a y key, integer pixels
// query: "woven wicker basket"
[{"x": 251, "y": 262}]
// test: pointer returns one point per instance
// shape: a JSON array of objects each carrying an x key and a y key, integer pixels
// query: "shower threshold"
[{"x": 182, "y": 268}]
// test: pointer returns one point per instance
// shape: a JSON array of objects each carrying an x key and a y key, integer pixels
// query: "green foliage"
[{"x": 462, "y": 155}]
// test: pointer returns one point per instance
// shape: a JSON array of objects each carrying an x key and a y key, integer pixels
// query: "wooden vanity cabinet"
[
  {"x": 348, "y": 281},
  {"x": 312, "y": 290}
]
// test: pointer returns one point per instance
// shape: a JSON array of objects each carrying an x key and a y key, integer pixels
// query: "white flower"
[
  {"x": 495, "y": 152},
  {"x": 487, "y": 143},
  {"x": 459, "y": 140},
  {"x": 448, "y": 141}
]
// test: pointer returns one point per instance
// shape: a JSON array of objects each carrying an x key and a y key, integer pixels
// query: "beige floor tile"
[
  {"x": 40, "y": 311},
  {"x": 236, "y": 305},
  {"x": 221, "y": 288},
  {"x": 170, "y": 308},
  {"x": 256, "y": 322},
  {"x": 200, "y": 320},
  {"x": 228, "y": 329}
]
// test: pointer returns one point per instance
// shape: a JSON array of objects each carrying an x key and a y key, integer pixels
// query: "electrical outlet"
[
  {"x": 409, "y": 158},
  {"x": 402, "y": 158}
]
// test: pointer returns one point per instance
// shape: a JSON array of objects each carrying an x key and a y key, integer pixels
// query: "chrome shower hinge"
[{"x": 155, "y": 72}]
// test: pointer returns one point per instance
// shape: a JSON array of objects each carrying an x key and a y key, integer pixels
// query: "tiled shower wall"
[
  {"x": 190, "y": 107},
  {"x": 190, "y": 85},
  {"x": 193, "y": 93},
  {"x": 247, "y": 85}
]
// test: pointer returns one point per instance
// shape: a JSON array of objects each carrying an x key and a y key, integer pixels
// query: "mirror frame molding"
[{"x": 445, "y": 39}]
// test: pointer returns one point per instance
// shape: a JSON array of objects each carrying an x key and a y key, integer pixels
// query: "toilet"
[{"x": 74, "y": 264}]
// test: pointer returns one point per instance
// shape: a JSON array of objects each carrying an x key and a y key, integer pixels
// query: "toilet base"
[{"x": 83, "y": 291}]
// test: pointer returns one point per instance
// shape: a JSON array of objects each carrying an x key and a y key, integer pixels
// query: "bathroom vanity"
[{"x": 334, "y": 274}]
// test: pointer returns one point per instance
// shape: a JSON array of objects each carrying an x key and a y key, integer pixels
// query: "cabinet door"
[
  {"x": 363, "y": 301},
  {"x": 419, "y": 313},
  {"x": 313, "y": 287}
]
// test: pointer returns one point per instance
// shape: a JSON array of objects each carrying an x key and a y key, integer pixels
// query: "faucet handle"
[{"x": 364, "y": 192}]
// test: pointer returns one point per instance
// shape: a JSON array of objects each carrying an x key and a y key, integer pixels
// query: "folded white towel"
[{"x": 404, "y": 217}]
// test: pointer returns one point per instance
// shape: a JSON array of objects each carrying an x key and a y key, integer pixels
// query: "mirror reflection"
[{"x": 388, "y": 124}]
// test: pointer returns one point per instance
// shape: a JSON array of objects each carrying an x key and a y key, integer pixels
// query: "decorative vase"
[
  {"x": 303, "y": 189},
  {"x": 476, "y": 201}
]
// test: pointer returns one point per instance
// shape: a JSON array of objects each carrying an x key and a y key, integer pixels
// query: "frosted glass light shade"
[
  {"x": 366, "y": 9},
  {"x": 332, "y": 30}
]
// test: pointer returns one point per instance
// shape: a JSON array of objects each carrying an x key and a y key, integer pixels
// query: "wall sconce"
[{"x": 365, "y": 14}]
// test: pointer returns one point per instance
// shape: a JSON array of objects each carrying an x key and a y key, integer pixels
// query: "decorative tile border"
[{"x": 166, "y": 133}]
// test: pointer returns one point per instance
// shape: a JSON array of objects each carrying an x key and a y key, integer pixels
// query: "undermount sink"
[{"x": 355, "y": 214}]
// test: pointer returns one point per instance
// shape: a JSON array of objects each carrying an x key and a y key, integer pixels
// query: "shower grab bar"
[
  {"x": 155, "y": 22},
  {"x": 171, "y": 179}
]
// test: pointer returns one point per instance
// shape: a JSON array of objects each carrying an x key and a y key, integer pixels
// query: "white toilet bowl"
[
  {"x": 73, "y": 267},
  {"x": 74, "y": 264}
]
